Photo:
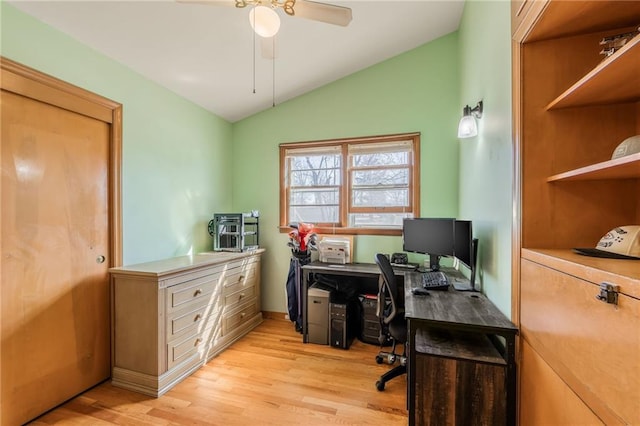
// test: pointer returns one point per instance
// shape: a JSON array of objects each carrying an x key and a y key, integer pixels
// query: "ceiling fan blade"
[
  {"x": 323, "y": 12},
  {"x": 213, "y": 2}
]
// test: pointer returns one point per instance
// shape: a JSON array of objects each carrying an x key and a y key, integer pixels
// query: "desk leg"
[
  {"x": 303, "y": 294},
  {"x": 511, "y": 379},
  {"x": 411, "y": 372}
]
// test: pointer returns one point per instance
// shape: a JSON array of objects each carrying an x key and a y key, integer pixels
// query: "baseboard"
[{"x": 275, "y": 315}]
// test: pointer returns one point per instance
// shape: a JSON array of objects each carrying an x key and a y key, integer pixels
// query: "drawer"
[
  {"x": 237, "y": 279},
  {"x": 193, "y": 320},
  {"x": 545, "y": 398},
  {"x": 234, "y": 299},
  {"x": 234, "y": 319},
  {"x": 592, "y": 345},
  {"x": 246, "y": 262},
  {"x": 196, "y": 291},
  {"x": 185, "y": 348},
  {"x": 371, "y": 328}
]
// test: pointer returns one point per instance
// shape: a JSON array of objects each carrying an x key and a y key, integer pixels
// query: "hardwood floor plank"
[{"x": 269, "y": 377}]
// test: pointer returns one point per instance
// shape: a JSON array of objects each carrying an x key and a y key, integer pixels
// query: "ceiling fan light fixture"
[{"x": 264, "y": 21}]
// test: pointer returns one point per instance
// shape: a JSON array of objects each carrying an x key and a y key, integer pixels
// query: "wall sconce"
[{"x": 468, "y": 127}]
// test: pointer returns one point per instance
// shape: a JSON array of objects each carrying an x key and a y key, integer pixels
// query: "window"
[{"x": 359, "y": 186}]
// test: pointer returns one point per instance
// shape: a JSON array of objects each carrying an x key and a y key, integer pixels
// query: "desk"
[
  {"x": 455, "y": 311},
  {"x": 358, "y": 270}
]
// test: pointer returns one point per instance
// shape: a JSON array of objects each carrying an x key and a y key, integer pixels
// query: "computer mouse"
[{"x": 420, "y": 291}]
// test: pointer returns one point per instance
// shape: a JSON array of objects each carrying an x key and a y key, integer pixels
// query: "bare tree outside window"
[
  {"x": 364, "y": 185},
  {"x": 315, "y": 187}
]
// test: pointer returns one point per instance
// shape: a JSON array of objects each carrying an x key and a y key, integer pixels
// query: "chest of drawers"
[{"x": 172, "y": 316}]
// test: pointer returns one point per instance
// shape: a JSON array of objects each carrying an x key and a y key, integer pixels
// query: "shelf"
[
  {"x": 615, "y": 80},
  {"x": 627, "y": 167},
  {"x": 623, "y": 272},
  {"x": 457, "y": 345},
  {"x": 562, "y": 18}
]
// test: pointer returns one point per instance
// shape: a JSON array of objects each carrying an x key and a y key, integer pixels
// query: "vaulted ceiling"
[{"x": 205, "y": 52}]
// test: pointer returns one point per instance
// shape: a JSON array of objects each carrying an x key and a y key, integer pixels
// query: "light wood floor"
[{"x": 267, "y": 378}]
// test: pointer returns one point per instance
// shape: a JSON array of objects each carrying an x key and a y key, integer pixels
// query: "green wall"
[
  {"x": 182, "y": 163},
  {"x": 414, "y": 92},
  {"x": 175, "y": 154},
  {"x": 486, "y": 179}
]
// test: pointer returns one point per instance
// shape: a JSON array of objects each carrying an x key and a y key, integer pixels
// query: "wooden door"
[{"x": 56, "y": 250}]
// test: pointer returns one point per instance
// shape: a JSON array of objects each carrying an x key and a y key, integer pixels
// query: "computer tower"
[
  {"x": 342, "y": 325},
  {"x": 318, "y": 300},
  {"x": 369, "y": 322}
]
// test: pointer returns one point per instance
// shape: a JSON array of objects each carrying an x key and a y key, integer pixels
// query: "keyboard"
[{"x": 435, "y": 280}]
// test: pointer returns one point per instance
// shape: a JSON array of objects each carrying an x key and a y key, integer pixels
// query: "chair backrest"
[{"x": 386, "y": 286}]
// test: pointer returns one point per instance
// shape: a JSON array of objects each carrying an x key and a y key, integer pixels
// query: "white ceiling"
[{"x": 204, "y": 52}]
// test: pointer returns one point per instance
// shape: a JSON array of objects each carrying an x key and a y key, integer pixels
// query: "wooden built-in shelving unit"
[{"x": 572, "y": 108}]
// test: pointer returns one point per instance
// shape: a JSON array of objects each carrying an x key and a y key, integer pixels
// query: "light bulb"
[{"x": 264, "y": 21}]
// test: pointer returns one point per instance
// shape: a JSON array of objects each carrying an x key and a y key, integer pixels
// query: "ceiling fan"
[
  {"x": 266, "y": 22},
  {"x": 264, "y": 10}
]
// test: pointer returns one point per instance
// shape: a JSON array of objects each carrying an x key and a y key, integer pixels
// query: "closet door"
[{"x": 55, "y": 228}]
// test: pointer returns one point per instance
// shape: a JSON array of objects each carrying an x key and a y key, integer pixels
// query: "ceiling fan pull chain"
[
  {"x": 254, "y": 55},
  {"x": 274, "y": 71}
]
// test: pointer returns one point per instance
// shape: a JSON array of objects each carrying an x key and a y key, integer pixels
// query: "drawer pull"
[
  {"x": 240, "y": 278},
  {"x": 242, "y": 315},
  {"x": 197, "y": 293},
  {"x": 608, "y": 293},
  {"x": 241, "y": 295},
  {"x": 197, "y": 318},
  {"x": 198, "y": 341}
]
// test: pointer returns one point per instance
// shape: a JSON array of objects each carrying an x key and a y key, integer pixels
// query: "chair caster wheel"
[
  {"x": 380, "y": 385},
  {"x": 379, "y": 359}
]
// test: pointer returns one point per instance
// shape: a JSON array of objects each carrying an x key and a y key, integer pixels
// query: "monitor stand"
[{"x": 434, "y": 262}]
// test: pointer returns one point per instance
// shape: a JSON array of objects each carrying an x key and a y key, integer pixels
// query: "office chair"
[{"x": 392, "y": 321}]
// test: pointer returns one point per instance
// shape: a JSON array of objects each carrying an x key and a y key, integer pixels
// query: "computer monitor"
[
  {"x": 439, "y": 237},
  {"x": 463, "y": 242},
  {"x": 432, "y": 236},
  {"x": 466, "y": 250}
]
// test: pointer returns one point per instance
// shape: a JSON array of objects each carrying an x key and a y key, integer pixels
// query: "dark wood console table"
[{"x": 458, "y": 340}]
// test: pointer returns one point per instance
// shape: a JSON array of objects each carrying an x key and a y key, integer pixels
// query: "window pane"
[
  {"x": 314, "y": 214},
  {"x": 313, "y": 162},
  {"x": 381, "y": 177},
  {"x": 382, "y": 158},
  {"x": 380, "y": 197},
  {"x": 377, "y": 220},
  {"x": 329, "y": 177},
  {"x": 299, "y": 197}
]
